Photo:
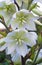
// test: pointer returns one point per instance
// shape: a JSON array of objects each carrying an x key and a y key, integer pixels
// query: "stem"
[
  {"x": 23, "y": 60},
  {"x": 29, "y": 3},
  {"x": 3, "y": 22},
  {"x": 12, "y": 63},
  {"x": 22, "y": 4},
  {"x": 36, "y": 56},
  {"x": 17, "y": 4},
  {"x": 7, "y": 29}
]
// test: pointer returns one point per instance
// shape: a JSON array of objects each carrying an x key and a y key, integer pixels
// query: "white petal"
[
  {"x": 14, "y": 25},
  {"x": 15, "y": 57},
  {"x": 3, "y": 47},
  {"x": 9, "y": 1},
  {"x": 10, "y": 47},
  {"x": 22, "y": 50},
  {"x": 30, "y": 25},
  {"x": 24, "y": 10},
  {"x": 32, "y": 37},
  {"x": 2, "y": 40},
  {"x": 37, "y": 1},
  {"x": 38, "y": 22}
]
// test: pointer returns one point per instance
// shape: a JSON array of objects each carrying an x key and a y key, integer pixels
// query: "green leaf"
[
  {"x": 32, "y": 53},
  {"x": 39, "y": 61},
  {"x": 32, "y": 6},
  {"x": 2, "y": 41},
  {"x": 39, "y": 28},
  {"x": 2, "y": 56},
  {"x": 40, "y": 39},
  {"x": 3, "y": 34},
  {"x": 29, "y": 3}
]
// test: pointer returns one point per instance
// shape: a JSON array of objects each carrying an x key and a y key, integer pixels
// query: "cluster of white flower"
[{"x": 20, "y": 38}]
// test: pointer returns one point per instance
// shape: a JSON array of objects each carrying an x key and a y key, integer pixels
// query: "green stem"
[
  {"x": 3, "y": 22},
  {"x": 36, "y": 56},
  {"x": 7, "y": 29},
  {"x": 17, "y": 4},
  {"x": 29, "y": 3},
  {"x": 23, "y": 60}
]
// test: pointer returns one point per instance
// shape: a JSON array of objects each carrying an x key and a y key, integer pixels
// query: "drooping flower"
[
  {"x": 7, "y": 11},
  {"x": 23, "y": 19},
  {"x": 18, "y": 40}
]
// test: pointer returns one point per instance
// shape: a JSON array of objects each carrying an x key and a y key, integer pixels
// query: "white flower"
[
  {"x": 18, "y": 40},
  {"x": 23, "y": 19},
  {"x": 7, "y": 11}
]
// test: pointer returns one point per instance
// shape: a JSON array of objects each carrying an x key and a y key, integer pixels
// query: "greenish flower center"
[
  {"x": 10, "y": 9},
  {"x": 21, "y": 17},
  {"x": 18, "y": 36}
]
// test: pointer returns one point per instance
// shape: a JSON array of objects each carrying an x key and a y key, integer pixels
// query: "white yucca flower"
[
  {"x": 23, "y": 19},
  {"x": 7, "y": 11},
  {"x": 18, "y": 40}
]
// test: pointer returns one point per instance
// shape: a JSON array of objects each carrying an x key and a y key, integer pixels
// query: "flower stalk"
[
  {"x": 17, "y": 4},
  {"x": 3, "y": 22},
  {"x": 36, "y": 56}
]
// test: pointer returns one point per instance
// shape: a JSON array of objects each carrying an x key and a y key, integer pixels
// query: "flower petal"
[
  {"x": 22, "y": 50},
  {"x": 32, "y": 37},
  {"x": 16, "y": 57}
]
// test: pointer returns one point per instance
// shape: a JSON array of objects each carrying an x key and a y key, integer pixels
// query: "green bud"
[{"x": 33, "y": 6}]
